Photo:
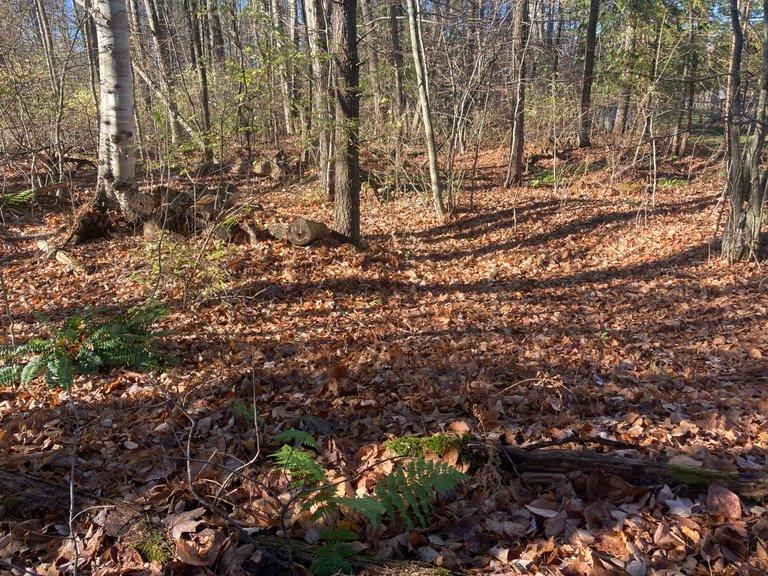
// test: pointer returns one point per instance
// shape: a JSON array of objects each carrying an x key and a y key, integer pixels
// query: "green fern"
[
  {"x": 85, "y": 343},
  {"x": 296, "y": 437},
  {"x": 407, "y": 492},
  {"x": 331, "y": 564},
  {"x": 17, "y": 199},
  {"x": 414, "y": 487},
  {"x": 300, "y": 464}
]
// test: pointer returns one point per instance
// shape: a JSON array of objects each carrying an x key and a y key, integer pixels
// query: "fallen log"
[
  {"x": 633, "y": 470},
  {"x": 302, "y": 232},
  {"x": 279, "y": 231}
]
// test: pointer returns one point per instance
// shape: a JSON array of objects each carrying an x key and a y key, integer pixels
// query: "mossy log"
[{"x": 633, "y": 470}]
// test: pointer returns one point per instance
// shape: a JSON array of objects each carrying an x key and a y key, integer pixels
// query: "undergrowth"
[
  {"x": 406, "y": 493},
  {"x": 86, "y": 343}
]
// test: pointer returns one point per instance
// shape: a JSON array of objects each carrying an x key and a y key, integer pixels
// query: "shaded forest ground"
[{"x": 592, "y": 309}]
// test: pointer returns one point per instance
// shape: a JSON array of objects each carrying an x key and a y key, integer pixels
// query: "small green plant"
[
  {"x": 86, "y": 343},
  {"x": 334, "y": 553},
  {"x": 181, "y": 265},
  {"x": 675, "y": 182},
  {"x": 17, "y": 199},
  {"x": 153, "y": 547},
  {"x": 241, "y": 410},
  {"x": 437, "y": 444},
  {"x": 407, "y": 492},
  {"x": 543, "y": 178}
]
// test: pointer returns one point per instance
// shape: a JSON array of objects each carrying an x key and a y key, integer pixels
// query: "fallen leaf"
[{"x": 723, "y": 502}]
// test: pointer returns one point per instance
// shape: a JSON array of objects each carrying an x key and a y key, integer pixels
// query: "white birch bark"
[{"x": 117, "y": 162}]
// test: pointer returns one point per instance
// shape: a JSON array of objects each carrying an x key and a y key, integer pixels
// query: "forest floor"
[{"x": 596, "y": 308}]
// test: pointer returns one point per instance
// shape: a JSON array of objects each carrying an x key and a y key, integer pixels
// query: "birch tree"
[{"x": 117, "y": 163}]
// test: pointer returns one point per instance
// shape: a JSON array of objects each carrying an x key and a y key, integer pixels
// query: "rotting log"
[
  {"x": 28, "y": 497},
  {"x": 633, "y": 470},
  {"x": 302, "y": 231}
]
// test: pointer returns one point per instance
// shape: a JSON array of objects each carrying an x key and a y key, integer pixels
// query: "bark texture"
[
  {"x": 117, "y": 163},
  {"x": 417, "y": 46},
  {"x": 346, "y": 214},
  {"x": 746, "y": 184},
  {"x": 589, "y": 66}
]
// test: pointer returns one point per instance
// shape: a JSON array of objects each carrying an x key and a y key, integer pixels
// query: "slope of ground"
[{"x": 597, "y": 308}]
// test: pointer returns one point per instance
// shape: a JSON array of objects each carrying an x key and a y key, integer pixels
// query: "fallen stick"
[
  {"x": 72, "y": 263},
  {"x": 633, "y": 470}
]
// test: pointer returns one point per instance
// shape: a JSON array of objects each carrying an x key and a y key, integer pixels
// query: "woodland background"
[{"x": 528, "y": 231}]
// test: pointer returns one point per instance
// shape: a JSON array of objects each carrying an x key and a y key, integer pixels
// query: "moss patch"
[
  {"x": 438, "y": 444},
  {"x": 153, "y": 548}
]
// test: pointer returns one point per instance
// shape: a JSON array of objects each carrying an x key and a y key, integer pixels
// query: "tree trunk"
[
  {"x": 634, "y": 470},
  {"x": 117, "y": 177},
  {"x": 284, "y": 55},
  {"x": 396, "y": 54},
  {"x": 373, "y": 60},
  {"x": 683, "y": 148},
  {"x": 414, "y": 23},
  {"x": 589, "y": 66},
  {"x": 160, "y": 43},
  {"x": 746, "y": 187},
  {"x": 556, "y": 43},
  {"x": 322, "y": 118},
  {"x": 91, "y": 46},
  {"x": 218, "y": 51},
  {"x": 521, "y": 33},
  {"x": 202, "y": 78},
  {"x": 625, "y": 95},
  {"x": 398, "y": 104},
  {"x": 346, "y": 214}
]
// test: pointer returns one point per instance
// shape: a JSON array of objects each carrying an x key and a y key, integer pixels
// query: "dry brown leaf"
[{"x": 722, "y": 502}]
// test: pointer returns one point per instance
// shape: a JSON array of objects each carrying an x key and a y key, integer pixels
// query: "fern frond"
[
  {"x": 33, "y": 369},
  {"x": 10, "y": 374},
  {"x": 8, "y": 352},
  {"x": 367, "y": 506},
  {"x": 59, "y": 371},
  {"x": 339, "y": 548},
  {"x": 36, "y": 345},
  {"x": 70, "y": 329},
  {"x": 414, "y": 487},
  {"x": 300, "y": 464},
  {"x": 331, "y": 565},
  {"x": 293, "y": 436}
]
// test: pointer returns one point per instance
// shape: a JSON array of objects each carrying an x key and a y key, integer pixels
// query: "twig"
[
  {"x": 11, "y": 332},
  {"x": 581, "y": 439},
  {"x": 72, "y": 468},
  {"x": 27, "y": 571}
]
